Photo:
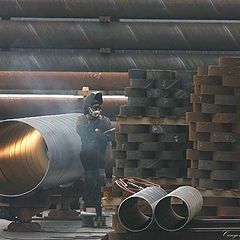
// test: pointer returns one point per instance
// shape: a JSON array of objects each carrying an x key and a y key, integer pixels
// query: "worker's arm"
[{"x": 108, "y": 131}]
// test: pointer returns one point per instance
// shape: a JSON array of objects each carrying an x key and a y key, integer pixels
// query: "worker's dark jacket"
[
  {"x": 95, "y": 145},
  {"x": 95, "y": 155}
]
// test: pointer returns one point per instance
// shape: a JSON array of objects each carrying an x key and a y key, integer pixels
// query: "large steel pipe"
[
  {"x": 168, "y": 218},
  {"x": 40, "y": 152},
  {"x": 119, "y": 61},
  {"x": 16, "y": 106},
  {"x": 173, "y": 9},
  {"x": 131, "y": 211},
  {"x": 108, "y": 81},
  {"x": 164, "y": 35}
]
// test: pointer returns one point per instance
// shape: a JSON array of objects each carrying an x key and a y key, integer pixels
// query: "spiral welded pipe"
[
  {"x": 170, "y": 219},
  {"x": 172, "y": 9},
  {"x": 131, "y": 212},
  {"x": 40, "y": 152},
  {"x": 119, "y": 61},
  {"x": 158, "y": 35}
]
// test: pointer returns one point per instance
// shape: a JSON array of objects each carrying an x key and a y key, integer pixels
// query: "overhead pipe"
[
  {"x": 107, "y": 81},
  {"x": 163, "y": 35},
  {"x": 131, "y": 211},
  {"x": 172, "y": 9},
  {"x": 17, "y": 106},
  {"x": 119, "y": 61},
  {"x": 37, "y": 153},
  {"x": 168, "y": 218}
]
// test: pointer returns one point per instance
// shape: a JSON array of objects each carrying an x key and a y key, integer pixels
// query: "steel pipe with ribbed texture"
[
  {"x": 16, "y": 105},
  {"x": 172, "y": 9},
  {"x": 119, "y": 61},
  {"x": 163, "y": 35},
  {"x": 42, "y": 152},
  {"x": 107, "y": 81},
  {"x": 135, "y": 213},
  {"x": 170, "y": 219}
]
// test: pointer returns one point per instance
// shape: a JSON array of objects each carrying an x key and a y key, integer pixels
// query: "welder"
[{"x": 96, "y": 134}]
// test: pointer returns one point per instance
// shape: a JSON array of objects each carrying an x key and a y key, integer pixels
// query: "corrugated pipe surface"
[
  {"x": 41, "y": 152},
  {"x": 170, "y": 220},
  {"x": 132, "y": 211}
]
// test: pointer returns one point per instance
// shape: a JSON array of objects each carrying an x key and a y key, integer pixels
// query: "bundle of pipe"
[
  {"x": 158, "y": 35},
  {"x": 42, "y": 152},
  {"x": 119, "y": 61},
  {"x": 15, "y": 106},
  {"x": 161, "y": 206},
  {"x": 64, "y": 80},
  {"x": 173, "y": 9}
]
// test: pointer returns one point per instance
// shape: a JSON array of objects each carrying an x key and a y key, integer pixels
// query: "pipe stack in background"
[
  {"x": 115, "y": 36},
  {"x": 153, "y": 137},
  {"x": 106, "y": 36}
]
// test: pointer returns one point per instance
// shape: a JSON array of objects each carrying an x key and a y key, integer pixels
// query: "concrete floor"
[{"x": 58, "y": 230}]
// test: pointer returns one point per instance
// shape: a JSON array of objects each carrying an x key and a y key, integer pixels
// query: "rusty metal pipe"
[
  {"x": 168, "y": 218},
  {"x": 172, "y": 9},
  {"x": 164, "y": 35},
  {"x": 108, "y": 81},
  {"x": 131, "y": 212},
  {"x": 16, "y": 106},
  {"x": 119, "y": 61},
  {"x": 41, "y": 152}
]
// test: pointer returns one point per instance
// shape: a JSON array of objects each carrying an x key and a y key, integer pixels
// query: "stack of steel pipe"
[
  {"x": 71, "y": 25},
  {"x": 146, "y": 149},
  {"x": 214, "y": 127}
]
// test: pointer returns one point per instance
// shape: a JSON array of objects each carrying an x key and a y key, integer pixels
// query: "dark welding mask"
[{"x": 95, "y": 110}]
